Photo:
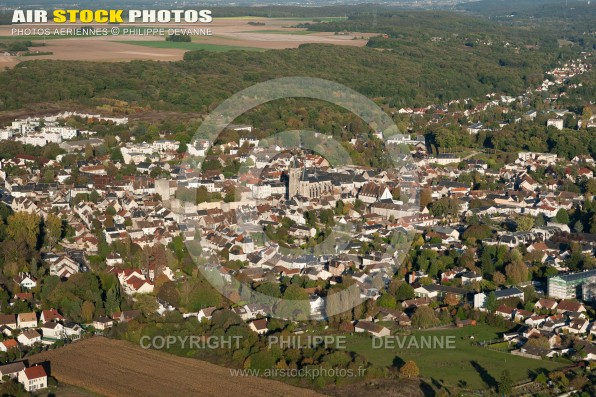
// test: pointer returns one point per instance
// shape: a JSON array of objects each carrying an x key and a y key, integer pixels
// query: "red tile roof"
[
  {"x": 10, "y": 343},
  {"x": 35, "y": 372},
  {"x": 52, "y": 314}
]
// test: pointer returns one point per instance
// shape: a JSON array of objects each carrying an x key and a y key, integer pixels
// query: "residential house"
[
  {"x": 126, "y": 315},
  {"x": 570, "y": 306},
  {"x": 114, "y": 259},
  {"x": 73, "y": 331},
  {"x": 24, "y": 296},
  {"x": 50, "y": 315},
  {"x": 577, "y": 326},
  {"x": 8, "y": 320},
  {"x": 52, "y": 331},
  {"x": 439, "y": 291},
  {"x": 206, "y": 313},
  {"x": 507, "y": 293},
  {"x": 12, "y": 370},
  {"x": 27, "y": 320},
  {"x": 389, "y": 314},
  {"x": 244, "y": 312},
  {"x": 25, "y": 280},
  {"x": 468, "y": 277},
  {"x": 134, "y": 282},
  {"x": 8, "y": 344},
  {"x": 102, "y": 323},
  {"x": 554, "y": 322},
  {"x": 371, "y": 328},
  {"x": 412, "y": 303},
  {"x": 549, "y": 304},
  {"x": 33, "y": 378},
  {"x": 64, "y": 267},
  {"x": 259, "y": 326},
  {"x": 536, "y": 320},
  {"x": 506, "y": 312},
  {"x": 29, "y": 337},
  {"x": 371, "y": 193}
]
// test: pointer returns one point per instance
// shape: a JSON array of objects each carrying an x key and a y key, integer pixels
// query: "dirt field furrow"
[{"x": 118, "y": 368}]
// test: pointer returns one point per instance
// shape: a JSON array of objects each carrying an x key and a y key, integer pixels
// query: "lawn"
[
  {"x": 466, "y": 366},
  {"x": 190, "y": 46}
]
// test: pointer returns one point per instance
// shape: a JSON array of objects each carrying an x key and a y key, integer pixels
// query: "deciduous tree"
[
  {"x": 23, "y": 228},
  {"x": 53, "y": 230},
  {"x": 410, "y": 369},
  {"x": 424, "y": 317}
]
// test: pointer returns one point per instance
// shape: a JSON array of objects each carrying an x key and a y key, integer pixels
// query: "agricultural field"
[
  {"x": 234, "y": 33},
  {"x": 284, "y": 31},
  {"x": 192, "y": 46},
  {"x": 117, "y": 368},
  {"x": 467, "y": 366}
]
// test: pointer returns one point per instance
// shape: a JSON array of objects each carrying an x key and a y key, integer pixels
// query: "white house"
[
  {"x": 12, "y": 370},
  {"x": 29, "y": 337},
  {"x": 114, "y": 259},
  {"x": 64, "y": 267},
  {"x": 52, "y": 330},
  {"x": 134, "y": 282},
  {"x": 8, "y": 344},
  {"x": 259, "y": 326},
  {"x": 577, "y": 326},
  {"x": 27, "y": 320},
  {"x": 25, "y": 280},
  {"x": 371, "y": 193},
  {"x": 33, "y": 378},
  {"x": 73, "y": 331},
  {"x": 103, "y": 323},
  {"x": 557, "y": 123},
  {"x": 205, "y": 313},
  {"x": 372, "y": 328},
  {"x": 469, "y": 277}
]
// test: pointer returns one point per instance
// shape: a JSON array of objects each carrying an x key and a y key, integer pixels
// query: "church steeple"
[{"x": 294, "y": 178}]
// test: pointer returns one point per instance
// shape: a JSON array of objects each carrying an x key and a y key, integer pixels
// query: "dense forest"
[
  {"x": 205, "y": 78},
  {"x": 427, "y": 57}
]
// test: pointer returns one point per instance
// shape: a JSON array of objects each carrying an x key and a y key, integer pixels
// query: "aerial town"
[{"x": 95, "y": 234}]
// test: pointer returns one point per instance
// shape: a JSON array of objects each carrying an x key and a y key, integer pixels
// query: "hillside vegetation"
[{"x": 427, "y": 57}]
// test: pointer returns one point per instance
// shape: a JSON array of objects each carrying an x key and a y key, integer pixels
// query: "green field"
[
  {"x": 190, "y": 46},
  {"x": 466, "y": 366}
]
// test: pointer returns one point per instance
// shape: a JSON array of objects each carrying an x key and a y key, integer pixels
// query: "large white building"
[
  {"x": 199, "y": 147},
  {"x": 557, "y": 123},
  {"x": 65, "y": 132},
  {"x": 568, "y": 286},
  {"x": 164, "y": 145},
  {"x": 5, "y": 134}
]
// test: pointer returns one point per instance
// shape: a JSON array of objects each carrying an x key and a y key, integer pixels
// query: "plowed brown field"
[{"x": 119, "y": 368}]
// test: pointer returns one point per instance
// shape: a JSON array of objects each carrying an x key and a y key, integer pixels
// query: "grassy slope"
[{"x": 465, "y": 363}]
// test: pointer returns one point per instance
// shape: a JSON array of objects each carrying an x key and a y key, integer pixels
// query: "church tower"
[{"x": 294, "y": 178}]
